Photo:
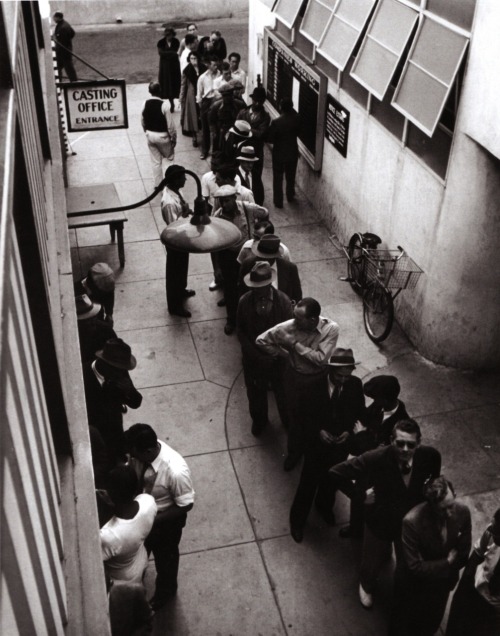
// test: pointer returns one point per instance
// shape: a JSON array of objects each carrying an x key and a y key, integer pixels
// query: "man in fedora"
[
  {"x": 240, "y": 134},
  {"x": 287, "y": 275},
  {"x": 109, "y": 390},
  {"x": 99, "y": 285},
  {"x": 283, "y": 134},
  {"x": 243, "y": 215},
  {"x": 342, "y": 405},
  {"x": 92, "y": 331},
  {"x": 249, "y": 177},
  {"x": 261, "y": 228},
  {"x": 174, "y": 206},
  {"x": 260, "y": 309},
  {"x": 259, "y": 120},
  {"x": 306, "y": 342}
]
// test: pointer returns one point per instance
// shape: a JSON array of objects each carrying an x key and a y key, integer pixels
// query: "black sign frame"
[
  {"x": 282, "y": 65},
  {"x": 95, "y": 84},
  {"x": 337, "y": 119}
]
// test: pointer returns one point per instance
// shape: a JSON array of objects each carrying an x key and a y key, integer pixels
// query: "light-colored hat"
[
  {"x": 260, "y": 275},
  {"x": 236, "y": 84},
  {"x": 225, "y": 88},
  {"x": 225, "y": 191},
  {"x": 85, "y": 308},
  {"x": 241, "y": 128},
  {"x": 101, "y": 277},
  {"x": 247, "y": 153},
  {"x": 342, "y": 358}
]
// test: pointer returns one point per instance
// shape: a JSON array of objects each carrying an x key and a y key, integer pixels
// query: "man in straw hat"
[
  {"x": 240, "y": 134},
  {"x": 243, "y": 215},
  {"x": 173, "y": 207},
  {"x": 343, "y": 404},
  {"x": 99, "y": 285},
  {"x": 260, "y": 309},
  {"x": 109, "y": 390},
  {"x": 249, "y": 177},
  {"x": 92, "y": 331},
  {"x": 306, "y": 342},
  {"x": 258, "y": 118},
  {"x": 269, "y": 247}
]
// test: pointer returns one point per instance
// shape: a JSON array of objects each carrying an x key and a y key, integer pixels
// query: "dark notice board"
[
  {"x": 337, "y": 124},
  {"x": 287, "y": 76}
]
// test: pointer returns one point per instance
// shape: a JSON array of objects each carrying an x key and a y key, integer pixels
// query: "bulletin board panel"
[{"x": 288, "y": 75}]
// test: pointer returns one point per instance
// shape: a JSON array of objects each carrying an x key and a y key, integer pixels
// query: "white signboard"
[{"x": 95, "y": 105}]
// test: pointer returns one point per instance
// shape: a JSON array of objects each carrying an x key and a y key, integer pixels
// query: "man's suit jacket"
[
  {"x": 424, "y": 552},
  {"x": 257, "y": 185},
  {"x": 339, "y": 413},
  {"x": 283, "y": 133},
  {"x": 393, "y": 499},
  {"x": 378, "y": 431},
  {"x": 288, "y": 277}
]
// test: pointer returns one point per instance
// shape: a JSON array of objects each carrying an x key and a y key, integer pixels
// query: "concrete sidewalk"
[{"x": 240, "y": 572}]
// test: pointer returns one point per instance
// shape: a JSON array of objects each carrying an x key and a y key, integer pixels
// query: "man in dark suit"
[
  {"x": 249, "y": 177},
  {"x": 397, "y": 474},
  {"x": 283, "y": 133},
  {"x": 108, "y": 392},
  {"x": 258, "y": 310},
  {"x": 328, "y": 445},
  {"x": 374, "y": 429},
  {"x": 63, "y": 36},
  {"x": 436, "y": 541},
  {"x": 269, "y": 248}
]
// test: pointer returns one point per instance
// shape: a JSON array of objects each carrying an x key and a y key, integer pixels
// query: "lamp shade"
[{"x": 184, "y": 235}]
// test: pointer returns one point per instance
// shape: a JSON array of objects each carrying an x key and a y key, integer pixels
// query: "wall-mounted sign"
[
  {"x": 286, "y": 75},
  {"x": 337, "y": 124},
  {"x": 95, "y": 105}
]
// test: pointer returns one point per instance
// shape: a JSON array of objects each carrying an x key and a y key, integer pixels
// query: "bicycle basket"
[{"x": 391, "y": 271}]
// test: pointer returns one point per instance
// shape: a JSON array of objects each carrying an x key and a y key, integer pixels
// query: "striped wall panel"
[{"x": 33, "y": 587}]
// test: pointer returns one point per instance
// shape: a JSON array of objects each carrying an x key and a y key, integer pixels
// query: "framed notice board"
[{"x": 287, "y": 75}]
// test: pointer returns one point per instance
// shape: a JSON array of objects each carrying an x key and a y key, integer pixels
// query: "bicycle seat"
[{"x": 371, "y": 240}]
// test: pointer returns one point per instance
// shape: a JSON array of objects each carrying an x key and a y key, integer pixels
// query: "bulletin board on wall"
[{"x": 288, "y": 76}]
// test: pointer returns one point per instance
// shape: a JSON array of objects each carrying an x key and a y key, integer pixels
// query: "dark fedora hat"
[
  {"x": 259, "y": 94},
  {"x": 269, "y": 246},
  {"x": 174, "y": 171},
  {"x": 118, "y": 354},
  {"x": 342, "y": 358},
  {"x": 85, "y": 308},
  {"x": 260, "y": 275},
  {"x": 247, "y": 153},
  {"x": 382, "y": 386}
]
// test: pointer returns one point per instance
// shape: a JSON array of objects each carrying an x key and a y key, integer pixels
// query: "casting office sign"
[
  {"x": 95, "y": 105},
  {"x": 337, "y": 124}
]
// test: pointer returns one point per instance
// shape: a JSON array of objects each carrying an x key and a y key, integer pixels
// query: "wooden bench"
[{"x": 98, "y": 197}]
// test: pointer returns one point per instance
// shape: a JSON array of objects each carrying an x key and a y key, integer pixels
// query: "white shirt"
[
  {"x": 183, "y": 60},
  {"x": 171, "y": 205},
  {"x": 209, "y": 187},
  {"x": 486, "y": 548},
  {"x": 205, "y": 86},
  {"x": 122, "y": 542},
  {"x": 240, "y": 75},
  {"x": 165, "y": 109},
  {"x": 168, "y": 478}
]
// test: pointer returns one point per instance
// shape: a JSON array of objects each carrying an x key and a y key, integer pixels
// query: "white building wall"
[{"x": 451, "y": 229}]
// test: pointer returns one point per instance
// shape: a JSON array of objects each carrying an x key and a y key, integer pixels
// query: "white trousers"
[{"x": 160, "y": 147}]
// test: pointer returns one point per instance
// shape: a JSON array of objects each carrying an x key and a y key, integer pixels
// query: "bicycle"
[{"x": 373, "y": 272}]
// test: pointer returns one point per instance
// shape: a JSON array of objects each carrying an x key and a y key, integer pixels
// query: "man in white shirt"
[
  {"x": 164, "y": 474},
  {"x": 158, "y": 124},
  {"x": 237, "y": 73},
  {"x": 204, "y": 97},
  {"x": 122, "y": 537},
  {"x": 191, "y": 45}
]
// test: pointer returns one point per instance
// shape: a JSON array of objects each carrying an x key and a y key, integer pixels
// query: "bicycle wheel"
[
  {"x": 355, "y": 264},
  {"x": 378, "y": 312}
]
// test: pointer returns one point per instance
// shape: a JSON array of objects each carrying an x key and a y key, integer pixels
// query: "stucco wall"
[
  {"x": 451, "y": 230},
  {"x": 79, "y": 12}
]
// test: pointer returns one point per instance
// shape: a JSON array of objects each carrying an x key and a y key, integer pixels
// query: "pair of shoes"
[
  {"x": 257, "y": 428},
  {"x": 297, "y": 533},
  {"x": 187, "y": 293},
  {"x": 347, "y": 532},
  {"x": 180, "y": 311},
  {"x": 290, "y": 462},
  {"x": 213, "y": 286},
  {"x": 229, "y": 328},
  {"x": 327, "y": 515},
  {"x": 203, "y": 155},
  {"x": 221, "y": 302},
  {"x": 365, "y": 598}
]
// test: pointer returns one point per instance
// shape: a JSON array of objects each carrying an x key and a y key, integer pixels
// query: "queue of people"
[{"x": 373, "y": 454}]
